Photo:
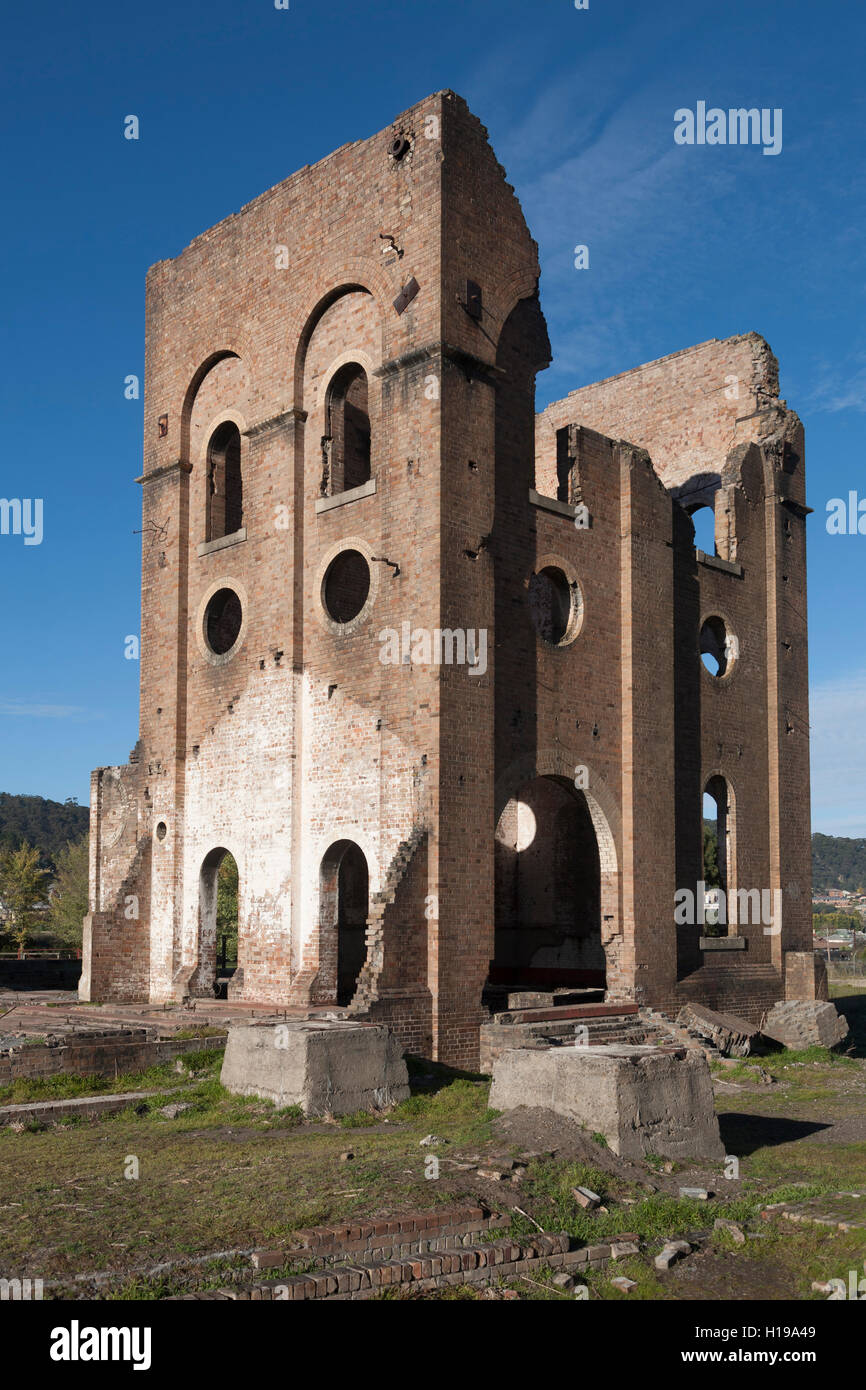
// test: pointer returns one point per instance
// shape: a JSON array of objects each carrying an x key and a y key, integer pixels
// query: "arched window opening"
[
  {"x": 227, "y": 915},
  {"x": 718, "y": 857},
  {"x": 225, "y": 509},
  {"x": 346, "y": 446},
  {"x": 555, "y": 605},
  {"x": 352, "y": 890}
]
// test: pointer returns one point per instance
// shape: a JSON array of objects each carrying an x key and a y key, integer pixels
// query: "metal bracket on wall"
[{"x": 406, "y": 295}]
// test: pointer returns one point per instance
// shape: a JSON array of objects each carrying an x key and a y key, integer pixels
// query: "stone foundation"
[
  {"x": 644, "y": 1100},
  {"x": 325, "y": 1068},
  {"x": 801, "y": 1023}
]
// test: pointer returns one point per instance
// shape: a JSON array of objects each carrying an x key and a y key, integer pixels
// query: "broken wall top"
[{"x": 688, "y": 410}]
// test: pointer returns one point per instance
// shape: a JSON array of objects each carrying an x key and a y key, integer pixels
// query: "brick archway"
[
  {"x": 559, "y": 766},
  {"x": 202, "y": 979},
  {"x": 548, "y": 890},
  {"x": 344, "y": 888}
]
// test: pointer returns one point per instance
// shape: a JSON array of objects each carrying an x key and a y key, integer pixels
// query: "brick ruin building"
[{"x": 341, "y": 439}]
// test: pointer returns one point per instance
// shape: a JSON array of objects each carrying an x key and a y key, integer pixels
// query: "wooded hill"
[
  {"x": 838, "y": 863},
  {"x": 48, "y": 824}
]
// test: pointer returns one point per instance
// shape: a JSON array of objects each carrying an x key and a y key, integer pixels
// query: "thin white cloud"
[
  {"x": 838, "y": 743},
  {"x": 840, "y": 392},
  {"x": 32, "y": 710},
  {"x": 594, "y": 163}
]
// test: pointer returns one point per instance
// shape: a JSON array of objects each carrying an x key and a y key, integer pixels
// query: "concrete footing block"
[
  {"x": 327, "y": 1068},
  {"x": 802, "y": 1023},
  {"x": 643, "y": 1100}
]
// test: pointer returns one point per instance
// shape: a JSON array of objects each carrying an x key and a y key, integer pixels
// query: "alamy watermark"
[
  {"x": 709, "y": 906},
  {"x": 855, "y": 1288},
  {"x": 423, "y": 646},
  {"x": 21, "y": 1290},
  {"x": 846, "y": 518},
  {"x": 736, "y": 126},
  {"x": 77, "y": 1343},
  {"x": 22, "y": 516}
]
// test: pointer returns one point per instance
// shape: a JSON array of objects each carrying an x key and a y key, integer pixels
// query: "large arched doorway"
[
  {"x": 549, "y": 890},
  {"x": 217, "y": 925},
  {"x": 343, "y": 908}
]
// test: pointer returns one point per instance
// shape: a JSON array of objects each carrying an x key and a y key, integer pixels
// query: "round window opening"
[
  {"x": 222, "y": 621},
  {"x": 346, "y": 586},
  {"x": 719, "y": 648},
  {"x": 161, "y": 830},
  {"x": 555, "y": 605}
]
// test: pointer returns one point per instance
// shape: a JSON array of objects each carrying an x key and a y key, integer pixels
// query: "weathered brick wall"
[
  {"x": 116, "y": 933},
  {"x": 806, "y": 975},
  {"x": 648, "y": 729},
  {"x": 300, "y": 738},
  {"x": 712, "y": 412},
  {"x": 291, "y": 743},
  {"x": 747, "y": 991},
  {"x": 118, "y": 1053},
  {"x": 688, "y": 410}
]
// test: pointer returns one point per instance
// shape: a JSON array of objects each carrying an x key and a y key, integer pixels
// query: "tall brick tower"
[{"x": 340, "y": 446}]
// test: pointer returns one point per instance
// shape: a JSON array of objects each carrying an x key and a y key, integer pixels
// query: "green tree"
[
  {"x": 227, "y": 908},
  {"x": 831, "y": 922},
  {"x": 711, "y": 856},
  {"x": 70, "y": 900},
  {"x": 22, "y": 889}
]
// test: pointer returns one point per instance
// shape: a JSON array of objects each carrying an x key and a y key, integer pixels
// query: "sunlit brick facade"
[{"x": 348, "y": 365}]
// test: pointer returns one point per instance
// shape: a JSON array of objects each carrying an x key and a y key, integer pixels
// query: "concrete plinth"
[
  {"x": 328, "y": 1068},
  {"x": 642, "y": 1099}
]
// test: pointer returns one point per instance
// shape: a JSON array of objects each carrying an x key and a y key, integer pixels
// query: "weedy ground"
[{"x": 138, "y": 1205}]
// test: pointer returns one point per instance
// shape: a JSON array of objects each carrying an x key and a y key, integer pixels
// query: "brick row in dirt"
[
  {"x": 841, "y": 1211},
  {"x": 477, "y": 1264},
  {"x": 419, "y": 1252},
  {"x": 400, "y": 1235}
]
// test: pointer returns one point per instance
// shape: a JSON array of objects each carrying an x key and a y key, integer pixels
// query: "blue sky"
[{"x": 686, "y": 243}]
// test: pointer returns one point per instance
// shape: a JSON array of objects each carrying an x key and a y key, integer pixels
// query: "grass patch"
[
  {"x": 800, "y": 1255},
  {"x": 232, "y": 1172},
  {"x": 458, "y": 1111},
  {"x": 202, "y": 1031},
  {"x": 823, "y": 1167},
  {"x": 778, "y": 1064},
  {"x": 359, "y": 1119},
  {"x": 547, "y": 1195}
]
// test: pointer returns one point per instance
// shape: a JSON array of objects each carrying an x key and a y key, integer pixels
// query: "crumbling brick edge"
[{"x": 420, "y": 1253}]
